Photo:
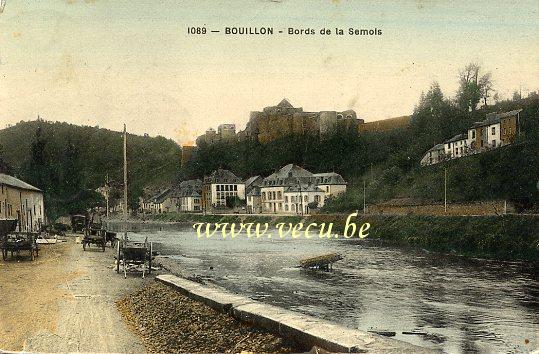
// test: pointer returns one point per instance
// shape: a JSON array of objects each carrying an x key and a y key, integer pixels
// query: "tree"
[
  {"x": 5, "y": 167},
  {"x": 473, "y": 87}
]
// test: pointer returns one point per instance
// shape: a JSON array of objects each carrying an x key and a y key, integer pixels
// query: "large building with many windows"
[{"x": 219, "y": 186}]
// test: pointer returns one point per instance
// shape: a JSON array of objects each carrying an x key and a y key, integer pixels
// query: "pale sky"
[{"x": 106, "y": 62}]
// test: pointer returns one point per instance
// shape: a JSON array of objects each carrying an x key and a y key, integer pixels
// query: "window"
[
  {"x": 473, "y": 134},
  {"x": 306, "y": 198},
  {"x": 286, "y": 207},
  {"x": 317, "y": 198},
  {"x": 493, "y": 130},
  {"x": 279, "y": 195},
  {"x": 263, "y": 195},
  {"x": 235, "y": 187},
  {"x": 286, "y": 199},
  {"x": 493, "y": 143}
]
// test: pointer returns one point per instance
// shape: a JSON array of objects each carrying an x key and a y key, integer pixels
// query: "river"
[{"x": 453, "y": 303}]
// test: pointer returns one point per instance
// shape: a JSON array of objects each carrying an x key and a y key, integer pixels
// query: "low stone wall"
[{"x": 306, "y": 330}]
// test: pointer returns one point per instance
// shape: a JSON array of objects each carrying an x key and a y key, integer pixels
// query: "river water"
[{"x": 456, "y": 304}]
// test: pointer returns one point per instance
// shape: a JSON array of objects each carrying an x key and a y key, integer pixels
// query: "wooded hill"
[{"x": 69, "y": 162}]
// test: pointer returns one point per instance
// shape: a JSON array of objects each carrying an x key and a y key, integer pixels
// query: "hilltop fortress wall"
[{"x": 282, "y": 120}]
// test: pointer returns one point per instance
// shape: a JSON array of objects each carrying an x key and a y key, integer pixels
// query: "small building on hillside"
[
  {"x": 219, "y": 186},
  {"x": 457, "y": 146},
  {"x": 498, "y": 129},
  {"x": 434, "y": 155},
  {"x": 22, "y": 201}
]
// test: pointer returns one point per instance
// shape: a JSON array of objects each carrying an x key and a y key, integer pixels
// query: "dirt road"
[{"x": 65, "y": 302}]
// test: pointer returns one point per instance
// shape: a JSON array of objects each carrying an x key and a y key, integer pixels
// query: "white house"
[
  {"x": 298, "y": 199},
  {"x": 457, "y": 146},
  {"x": 292, "y": 189},
  {"x": 331, "y": 183},
  {"x": 22, "y": 201},
  {"x": 434, "y": 155}
]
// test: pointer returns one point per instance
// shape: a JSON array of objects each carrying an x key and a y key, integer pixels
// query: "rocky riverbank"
[{"x": 169, "y": 322}]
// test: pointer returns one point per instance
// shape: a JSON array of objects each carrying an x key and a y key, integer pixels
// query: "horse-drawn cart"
[{"x": 134, "y": 256}]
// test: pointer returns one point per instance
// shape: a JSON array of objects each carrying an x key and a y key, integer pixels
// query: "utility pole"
[
  {"x": 300, "y": 197},
  {"x": 107, "y": 198},
  {"x": 445, "y": 190},
  {"x": 364, "y": 198},
  {"x": 125, "y": 183}
]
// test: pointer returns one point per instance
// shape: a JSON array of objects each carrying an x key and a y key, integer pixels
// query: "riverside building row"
[
  {"x": 497, "y": 130},
  {"x": 291, "y": 190}
]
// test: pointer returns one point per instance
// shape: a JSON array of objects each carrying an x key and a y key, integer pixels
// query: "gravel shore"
[{"x": 169, "y": 322}]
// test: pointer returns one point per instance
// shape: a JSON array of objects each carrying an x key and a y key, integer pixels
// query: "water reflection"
[{"x": 454, "y": 303}]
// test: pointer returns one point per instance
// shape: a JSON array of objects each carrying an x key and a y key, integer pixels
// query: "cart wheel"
[{"x": 118, "y": 256}]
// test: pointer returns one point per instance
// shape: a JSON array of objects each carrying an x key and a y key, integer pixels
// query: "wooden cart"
[
  {"x": 15, "y": 242},
  {"x": 134, "y": 256},
  {"x": 94, "y": 235}
]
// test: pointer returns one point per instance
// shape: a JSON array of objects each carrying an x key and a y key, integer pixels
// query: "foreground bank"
[{"x": 504, "y": 237}]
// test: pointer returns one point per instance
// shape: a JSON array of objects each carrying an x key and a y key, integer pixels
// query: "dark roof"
[
  {"x": 222, "y": 176},
  {"x": 436, "y": 147},
  {"x": 257, "y": 180},
  {"x": 457, "y": 138},
  {"x": 254, "y": 191},
  {"x": 190, "y": 188},
  {"x": 304, "y": 188},
  {"x": 285, "y": 103},
  {"x": 504, "y": 114},
  {"x": 17, "y": 183},
  {"x": 329, "y": 178},
  {"x": 494, "y": 118},
  {"x": 290, "y": 170},
  {"x": 161, "y": 196}
]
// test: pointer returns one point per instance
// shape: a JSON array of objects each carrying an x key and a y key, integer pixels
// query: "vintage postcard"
[{"x": 269, "y": 176}]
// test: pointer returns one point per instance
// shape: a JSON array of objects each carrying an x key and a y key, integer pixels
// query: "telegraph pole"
[
  {"x": 364, "y": 197},
  {"x": 125, "y": 183},
  {"x": 107, "y": 198},
  {"x": 445, "y": 190}
]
